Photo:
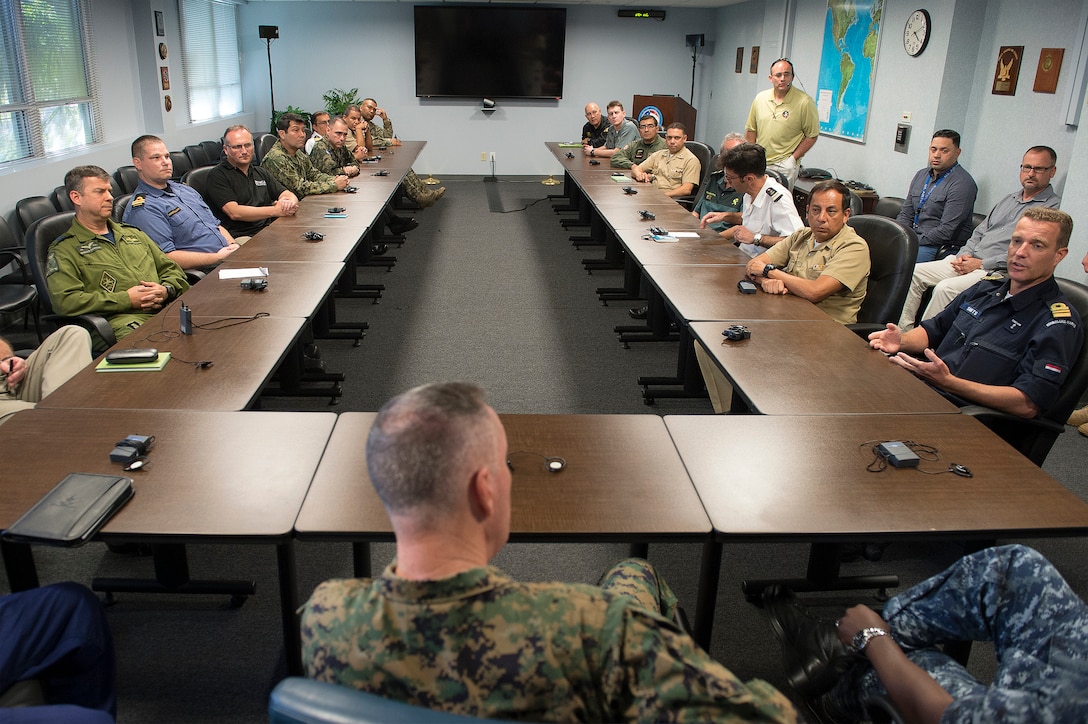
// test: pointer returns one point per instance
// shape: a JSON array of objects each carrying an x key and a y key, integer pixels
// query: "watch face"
[{"x": 916, "y": 33}]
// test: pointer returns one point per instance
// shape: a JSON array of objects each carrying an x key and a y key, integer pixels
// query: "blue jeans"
[
  {"x": 1013, "y": 597},
  {"x": 926, "y": 253},
  {"x": 58, "y": 635}
]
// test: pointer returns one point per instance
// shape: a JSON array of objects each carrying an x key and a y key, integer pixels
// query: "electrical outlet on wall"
[{"x": 483, "y": 155}]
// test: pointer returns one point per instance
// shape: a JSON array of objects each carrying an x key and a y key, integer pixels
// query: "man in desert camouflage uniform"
[
  {"x": 442, "y": 629},
  {"x": 382, "y": 137}
]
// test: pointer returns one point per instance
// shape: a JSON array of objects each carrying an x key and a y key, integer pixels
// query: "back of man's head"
[
  {"x": 747, "y": 158},
  {"x": 73, "y": 180},
  {"x": 142, "y": 143},
  {"x": 423, "y": 445},
  {"x": 731, "y": 141},
  {"x": 1052, "y": 216},
  {"x": 948, "y": 133}
]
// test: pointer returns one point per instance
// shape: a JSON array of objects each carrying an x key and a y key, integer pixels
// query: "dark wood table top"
[
  {"x": 671, "y": 217},
  {"x": 815, "y": 367},
  {"x": 707, "y": 248},
  {"x": 396, "y": 158},
  {"x": 244, "y": 357},
  {"x": 710, "y": 293},
  {"x": 623, "y": 481},
  {"x": 312, "y": 211},
  {"x": 804, "y": 478},
  {"x": 295, "y": 289},
  {"x": 212, "y": 475},
  {"x": 286, "y": 242}
]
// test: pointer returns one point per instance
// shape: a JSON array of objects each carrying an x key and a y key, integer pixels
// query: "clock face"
[{"x": 916, "y": 33}]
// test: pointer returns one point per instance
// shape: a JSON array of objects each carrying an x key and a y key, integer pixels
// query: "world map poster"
[{"x": 848, "y": 66}]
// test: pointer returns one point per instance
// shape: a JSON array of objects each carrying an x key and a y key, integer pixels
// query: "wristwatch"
[
  {"x": 758, "y": 239},
  {"x": 864, "y": 636},
  {"x": 768, "y": 269},
  {"x": 592, "y": 152}
]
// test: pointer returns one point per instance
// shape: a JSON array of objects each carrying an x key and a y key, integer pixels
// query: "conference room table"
[
  {"x": 243, "y": 357},
  {"x": 211, "y": 478},
  {"x": 814, "y": 368},
  {"x": 295, "y": 289},
  {"x": 803, "y": 478},
  {"x": 622, "y": 482}
]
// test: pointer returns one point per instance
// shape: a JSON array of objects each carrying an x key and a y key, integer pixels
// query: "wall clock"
[{"x": 916, "y": 33}]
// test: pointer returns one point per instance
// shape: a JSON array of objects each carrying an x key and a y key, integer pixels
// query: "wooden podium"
[{"x": 674, "y": 109}]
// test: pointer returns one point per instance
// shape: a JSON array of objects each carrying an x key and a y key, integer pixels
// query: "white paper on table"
[
  {"x": 685, "y": 234},
  {"x": 257, "y": 271}
]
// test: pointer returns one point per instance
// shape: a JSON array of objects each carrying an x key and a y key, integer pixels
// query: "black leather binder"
[{"x": 72, "y": 512}]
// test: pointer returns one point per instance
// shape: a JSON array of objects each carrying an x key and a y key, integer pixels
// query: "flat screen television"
[{"x": 490, "y": 51}]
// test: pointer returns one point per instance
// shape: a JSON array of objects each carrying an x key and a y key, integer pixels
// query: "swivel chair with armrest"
[
  {"x": 892, "y": 252},
  {"x": 888, "y": 206},
  {"x": 1034, "y": 437},
  {"x": 705, "y": 154},
  {"x": 17, "y": 291}
]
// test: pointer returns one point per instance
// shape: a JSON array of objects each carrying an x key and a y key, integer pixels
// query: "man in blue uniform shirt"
[
  {"x": 1004, "y": 343},
  {"x": 173, "y": 214}
]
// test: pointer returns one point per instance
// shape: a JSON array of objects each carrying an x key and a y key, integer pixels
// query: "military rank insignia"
[
  {"x": 108, "y": 282},
  {"x": 138, "y": 201},
  {"x": 1060, "y": 310}
]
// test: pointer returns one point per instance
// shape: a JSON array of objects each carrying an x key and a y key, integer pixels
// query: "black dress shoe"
[
  {"x": 379, "y": 249},
  {"x": 400, "y": 225},
  {"x": 638, "y": 312},
  {"x": 812, "y": 654}
]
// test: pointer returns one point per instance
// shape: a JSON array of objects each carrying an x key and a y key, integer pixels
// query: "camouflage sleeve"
[
  {"x": 622, "y": 157},
  {"x": 323, "y": 162},
  {"x": 667, "y": 677},
  {"x": 298, "y": 174},
  {"x": 383, "y": 134}
]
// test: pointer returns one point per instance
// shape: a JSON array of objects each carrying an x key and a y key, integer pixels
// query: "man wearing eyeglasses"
[
  {"x": 249, "y": 196},
  {"x": 784, "y": 121},
  {"x": 986, "y": 252},
  {"x": 638, "y": 151},
  {"x": 319, "y": 121}
]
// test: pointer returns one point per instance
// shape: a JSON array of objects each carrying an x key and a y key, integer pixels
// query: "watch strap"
[{"x": 863, "y": 637}]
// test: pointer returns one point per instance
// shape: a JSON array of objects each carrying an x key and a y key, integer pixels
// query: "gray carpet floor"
[{"x": 500, "y": 299}]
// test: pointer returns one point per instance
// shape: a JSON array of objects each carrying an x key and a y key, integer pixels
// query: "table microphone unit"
[{"x": 186, "y": 319}]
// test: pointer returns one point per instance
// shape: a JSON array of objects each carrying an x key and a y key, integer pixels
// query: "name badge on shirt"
[
  {"x": 970, "y": 310},
  {"x": 1013, "y": 326},
  {"x": 173, "y": 211},
  {"x": 260, "y": 182}
]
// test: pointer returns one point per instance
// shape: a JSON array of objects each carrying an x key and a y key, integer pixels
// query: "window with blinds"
[
  {"x": 213, "y": 70},
  {"x": 47, "y": 82}
]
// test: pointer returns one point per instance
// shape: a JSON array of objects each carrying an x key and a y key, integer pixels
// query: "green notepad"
[{"x": 155, "y": 366}]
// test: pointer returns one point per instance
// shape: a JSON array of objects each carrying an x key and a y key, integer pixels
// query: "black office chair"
[
  {"x": 892, "y": 252},
  {"x": 38, "y": 238},
  {"x": 119, "y": 205},
  {"x": 262, "y": 145},
  {"x": 1033, "y": 438},
  {"x": 17, "y": 291},
  {"x": 713, "y": 165},
  {"x": 198, "y": 180},
  {"x": 61, "y": 200},
  {"x": 296, "y": 700},
  {"x": 705, "y": 154},
  {"x": 856, "y": 208},
  {"x": 198, "y": 158},
  {"x": 31, "y": 209},
  {"x": 127, "y": 178},
  {"x": 888, "y": 206},
  {"x": 181, "y": 165},
  {"x": 214, "y": 151}
]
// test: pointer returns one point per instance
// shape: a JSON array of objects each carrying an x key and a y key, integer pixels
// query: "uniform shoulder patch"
[
  {"x": 775, "y": 194},
  {"x": 138, "y": 200},
  {"x": 1060, "y": 310}
]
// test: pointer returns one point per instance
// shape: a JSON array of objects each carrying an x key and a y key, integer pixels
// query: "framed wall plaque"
[
  {"x": 1007, "y": 71},
  {"x": 160, "y": 24},
  {"x": 165, "y": 73},
  {"x": 740, "y": 60},
  {"x": 754, "y": 65},
  {"x": 1050, "y": 67}
]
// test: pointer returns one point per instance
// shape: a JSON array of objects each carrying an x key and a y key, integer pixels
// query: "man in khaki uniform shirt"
[{"x": 675, "y": 170}]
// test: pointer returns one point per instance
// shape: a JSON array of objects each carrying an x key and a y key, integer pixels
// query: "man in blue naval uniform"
[
  {"x": 1004, "y": 343},
  {"x": 173, "y": 214}
]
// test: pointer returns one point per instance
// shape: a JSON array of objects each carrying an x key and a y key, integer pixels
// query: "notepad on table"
[{"x": 158, "y": 364}]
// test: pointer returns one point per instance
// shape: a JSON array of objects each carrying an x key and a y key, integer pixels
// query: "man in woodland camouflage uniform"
[
  {"x": 442, "y": 629},
  {"x": 382, "y": 137},
  {"x": 329, "y": 155},
  {"x": 291, "y": 167}
]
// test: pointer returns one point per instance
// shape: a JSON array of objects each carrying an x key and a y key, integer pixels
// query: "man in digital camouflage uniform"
[
  {"x": 291, "y": 167},
  {"x": 382, "y": 136},
  {"x": 442, "y": 629},
  {"x": 102, "y": 267}
]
